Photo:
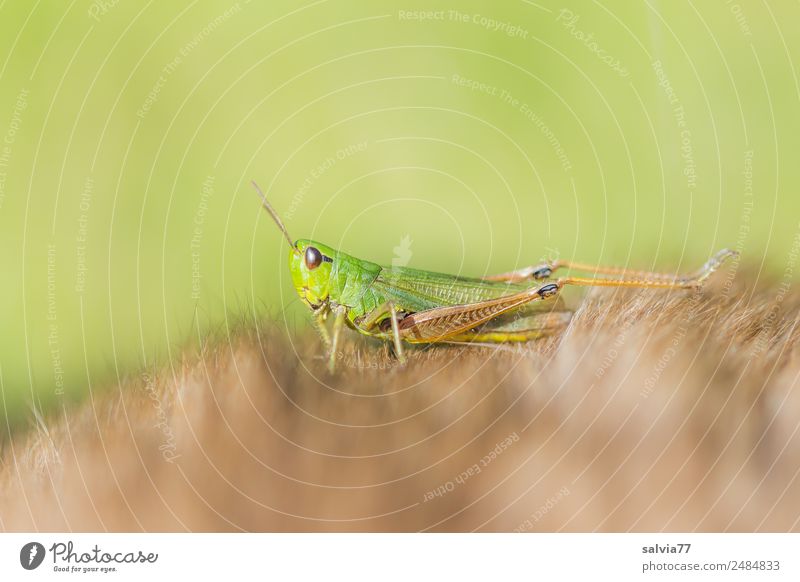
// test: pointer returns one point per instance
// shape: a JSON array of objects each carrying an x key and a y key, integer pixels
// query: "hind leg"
[
  {"x": 546, "y": 270},
  {"x": 517, "y": 329},
  {"x": 443, "y": 323}
]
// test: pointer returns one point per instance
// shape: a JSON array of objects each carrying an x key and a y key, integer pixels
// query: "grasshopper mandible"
[{"x": 400, "y": 304}]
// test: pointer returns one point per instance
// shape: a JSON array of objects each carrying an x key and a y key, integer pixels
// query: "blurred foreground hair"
[{"x": 652, "y": 411}]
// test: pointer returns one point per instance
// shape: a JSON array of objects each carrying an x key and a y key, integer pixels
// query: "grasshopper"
[{"x": 400, "y": 304}]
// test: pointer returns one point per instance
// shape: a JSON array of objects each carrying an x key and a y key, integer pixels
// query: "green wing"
[{"x": 413, "y": 290}]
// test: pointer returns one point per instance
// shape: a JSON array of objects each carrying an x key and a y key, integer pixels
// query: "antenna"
[{"x": 268, "y": 207}]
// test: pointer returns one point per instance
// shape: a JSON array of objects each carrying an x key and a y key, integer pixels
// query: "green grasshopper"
[{"x": 400, "y": 304}]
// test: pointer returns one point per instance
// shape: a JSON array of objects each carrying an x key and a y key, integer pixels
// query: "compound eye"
[{"x": 313, "y": 258}]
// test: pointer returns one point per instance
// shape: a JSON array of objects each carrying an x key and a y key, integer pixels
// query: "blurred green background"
[{"x": 459, "y": 136}]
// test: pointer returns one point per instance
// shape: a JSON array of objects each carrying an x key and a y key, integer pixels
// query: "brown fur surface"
[{"x": 652, "y": 411}]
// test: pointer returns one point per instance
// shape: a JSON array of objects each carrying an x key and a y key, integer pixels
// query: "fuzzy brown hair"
[{"x": 652, "y": 411}]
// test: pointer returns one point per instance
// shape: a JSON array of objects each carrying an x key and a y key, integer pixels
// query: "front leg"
[
  {"x": 320, "y": 316},
  {"x": 338, "y": 322}
]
